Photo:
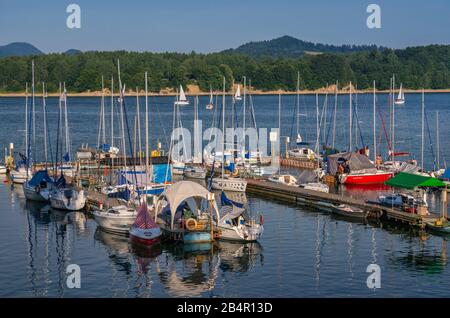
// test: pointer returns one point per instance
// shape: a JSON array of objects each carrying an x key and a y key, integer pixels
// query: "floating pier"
[{"x": 323, "y": 201}]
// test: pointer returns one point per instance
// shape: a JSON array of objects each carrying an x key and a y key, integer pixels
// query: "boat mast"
[
  {"x": 146, "y": 128},
  {"x": 122, "y": 128},
  {"x": 45, "y": 123},
  {"x": 350, "y": 143},
  {"x": 393, "y": 119},
  {"x": 243, "y": 121},
  {"x": 33, "y": 108},
  {"x": 334, "y": 115},
  {"x": 223, "y": 130},
  {"x": 139, "y": 126},
  {"x": 318, "y": 130},
  {"x": 423, "y": 128},
  {"x": 112, "y": 111},
  {"x": 298, "y": 105},
  {"x": 103, "y": 113},
  {"x": 25, "y": 152},
  {"x": 438, "y": 141},
  {"x": 374, "y": 124},
  {"x": 279, "y": 129}
]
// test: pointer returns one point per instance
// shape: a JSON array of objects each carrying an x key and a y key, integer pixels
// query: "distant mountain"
[
  {"x": 72, "y": 52},
  {"x": 19, "y": 49},
  {"x": 287, "y": 46}
]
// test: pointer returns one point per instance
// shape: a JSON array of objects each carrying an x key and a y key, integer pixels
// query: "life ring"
[{"x": 191, "y": 224}]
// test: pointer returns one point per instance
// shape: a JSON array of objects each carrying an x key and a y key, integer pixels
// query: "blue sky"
[{"x": 208, "y": 26}]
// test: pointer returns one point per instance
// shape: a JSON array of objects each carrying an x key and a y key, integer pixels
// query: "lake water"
[{"x": 303, "y": 252}]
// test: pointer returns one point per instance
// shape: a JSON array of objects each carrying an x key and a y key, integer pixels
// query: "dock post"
[{"x": 444, "y": 203}]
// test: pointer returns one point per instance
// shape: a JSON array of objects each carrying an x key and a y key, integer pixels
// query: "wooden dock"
[
  {"x": 298, "y": 163},
  {"x": 322, "y": 200}
]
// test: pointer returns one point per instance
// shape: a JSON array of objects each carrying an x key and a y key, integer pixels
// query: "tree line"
[{"x": 417, "y": 67}]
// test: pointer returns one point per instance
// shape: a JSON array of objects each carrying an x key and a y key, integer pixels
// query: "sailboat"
[
  {"x": 237, "y": 95},
  {"x": 144, "y": 230},
  {"x": 182, "y": 101},
  {"x": 21, "y": 174},
  {"x": 401, "y": 96},
  {"x": 226, "y": 183},
  {"x": 66, "y": 197},
  {"x": 210, "y": 104}
]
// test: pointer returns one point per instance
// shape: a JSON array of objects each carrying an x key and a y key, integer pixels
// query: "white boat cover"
[{"x": 184, "y": 191}]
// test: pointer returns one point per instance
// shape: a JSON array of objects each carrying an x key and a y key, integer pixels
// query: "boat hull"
[
  {"x": 59, "y": 200},
  {"x": 145, "y": 236},
  {"x": 31, "y": 194},
  {"x": 119, "y": 225},
  {"x": 236, "y": 185},
  {"x": 232, "y": 234},
  {"x": 367, "y": 178}
]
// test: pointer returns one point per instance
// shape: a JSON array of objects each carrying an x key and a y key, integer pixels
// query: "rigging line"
[{"x": 431, "y": 142}]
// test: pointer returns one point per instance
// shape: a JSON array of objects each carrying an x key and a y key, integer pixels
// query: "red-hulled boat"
[
  {"x": 144, "y": 230},
  {"x": 366, "y": 178}
]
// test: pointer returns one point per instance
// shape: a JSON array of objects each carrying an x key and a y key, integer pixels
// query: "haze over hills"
[
  {"x": 288, "y": 46},
  {"x": 19, "y": 49}
]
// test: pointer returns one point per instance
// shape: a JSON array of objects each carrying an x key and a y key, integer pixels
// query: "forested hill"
[
  {"x": 287, "y": 46},
  {"x": 416, "y": 67}
]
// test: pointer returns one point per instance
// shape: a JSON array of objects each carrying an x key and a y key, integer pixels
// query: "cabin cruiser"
[
  {"x": 302, "y": 153},
  {"x": 285, "y": 179},
  {"x": 117, "y": 219},
  {"x": 405, "y": 202},
  {"x": 194, "y": 172},
  {"x": 20, "y": 175}
]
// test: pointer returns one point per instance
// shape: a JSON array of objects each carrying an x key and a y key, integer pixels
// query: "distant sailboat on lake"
[
  {"x": 182, "y": 101},
  {"x": 401, "y": 96}
]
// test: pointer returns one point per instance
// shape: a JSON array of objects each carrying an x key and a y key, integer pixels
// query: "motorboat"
[
  {"x": 117, "y": 219},
  {"x": 194, "y": 172},
  {"x": 315, "y": 186},
  {"x": 405, "y": 202},
  {"x": 302, "y": 153},
  {"x": 229, "y": 184},
  {"x": 3, "y": 169},
  {"x": 178, "y": 167},
  {"x": 285, "y": 179},
  {"x": 20, "y": 175},
  {"x": 349, "y": 211},
  {"x": 235, "y": 224},
  {"x": 144, "y": 230},
  {"x": 66, "y": 198}
]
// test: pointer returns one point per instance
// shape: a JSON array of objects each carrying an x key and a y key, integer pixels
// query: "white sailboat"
[
  {"x": 237, "y": 95},
  {"x": 210, "y": 104},
  {"x": 401, "y": 96},
  {"x": 227, "y": 183},
  {"x": 182, "y": 101}
]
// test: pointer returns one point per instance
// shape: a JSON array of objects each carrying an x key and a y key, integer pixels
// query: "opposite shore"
[{"x": 196, "y": 92}]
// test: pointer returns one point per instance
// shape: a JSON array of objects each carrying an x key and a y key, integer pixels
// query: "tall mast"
[
  {"x": 393, "y": 118},
  {"x": 33, "y": 107},
  {"x": 122, "y": 128},
  {"x": 423, "y": 128},
  {"x": 138, "y": 125},
  {"x": 350, "y": 143},
  {"x": 66, "y": 123},
  {"x": 298, "y": 105},
  {"x": 243, "y": 121},
  {"x": 45, "y": 123},
  {"x": 223, "y": 130},
  {"x": 317, "y": 125},
  {"x": 112, "y": 111},
  {"x": 26, "y": 120},
  {"x": 103, "y": 113},
  {"x": 438, "y": 141},
  {"x": 335, "y": 112},
  {"x": 146, "y": 126},
  {"x": 279, "y": 128},
  {"x": 374, "y": 125}
]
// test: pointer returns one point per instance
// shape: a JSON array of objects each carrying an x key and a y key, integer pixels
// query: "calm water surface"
[{"x": 303, "y": 253}]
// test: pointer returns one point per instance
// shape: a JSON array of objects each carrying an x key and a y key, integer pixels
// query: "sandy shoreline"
[{"x": 253, "y": 92}]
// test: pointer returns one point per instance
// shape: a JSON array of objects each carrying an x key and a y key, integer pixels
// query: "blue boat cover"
[
  {"x": 40, "y": 176},
  {"x": 225, "y": 201},
  {"x": 446, "y": 174}
]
